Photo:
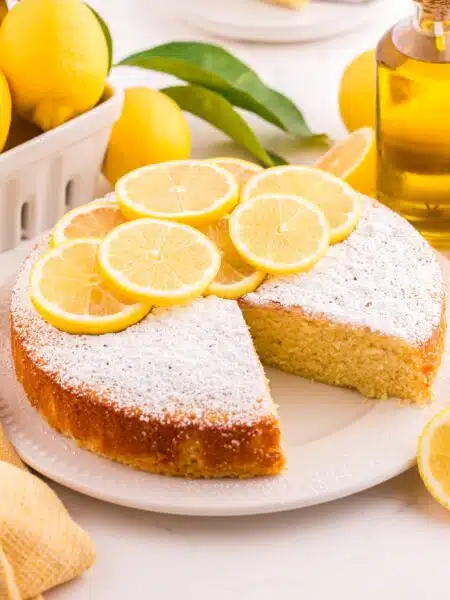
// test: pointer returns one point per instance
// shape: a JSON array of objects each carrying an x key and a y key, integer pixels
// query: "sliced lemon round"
[
  {"x": 242, "y": 170},
  {"x": 93, "y": 220},
  {"x": 235, "y": 277},
  {"x": 279, "y": 234},
  {"x": 354, "y": 160},
  {"x": 340, "y": 204},
  {"x": 194, "y": 192},
  {"x": 69, "y": 292},
  {"x": 162, "y": 262},
  {"x": 433, "y": 457}
]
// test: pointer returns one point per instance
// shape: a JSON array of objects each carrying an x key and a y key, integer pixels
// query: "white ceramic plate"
[
  {"x": 252, "y": 20},
  {"x": 337, "y": 444}
]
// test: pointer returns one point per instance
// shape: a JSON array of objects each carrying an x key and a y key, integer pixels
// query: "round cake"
[{"x": 184, "y": 393}]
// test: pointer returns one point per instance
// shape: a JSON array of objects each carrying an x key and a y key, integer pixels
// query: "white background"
[{"x": 390, "y": 543}]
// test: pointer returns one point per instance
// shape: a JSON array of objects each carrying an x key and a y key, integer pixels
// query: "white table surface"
[{"x": 389, "y": 543}]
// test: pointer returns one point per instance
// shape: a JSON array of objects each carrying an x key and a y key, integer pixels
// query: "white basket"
[{"x": 56, "y": 171}]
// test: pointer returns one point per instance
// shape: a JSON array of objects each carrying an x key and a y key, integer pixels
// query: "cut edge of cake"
[{"x": 374, "y": 325}]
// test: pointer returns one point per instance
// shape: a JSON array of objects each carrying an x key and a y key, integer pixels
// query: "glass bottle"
[{"x": 413, "y": 120}]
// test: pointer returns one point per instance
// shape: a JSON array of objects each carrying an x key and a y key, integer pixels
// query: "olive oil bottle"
[{"x": 413, "y": 120}]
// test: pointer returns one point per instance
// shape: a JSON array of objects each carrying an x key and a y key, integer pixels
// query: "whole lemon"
[
  {"x": 357, "y": 93},
  {"x": 3, "y": 10},
  {"x": 5, "y": 110},
  {"x": 55, "y": 57},
  {"x": 151, "y": 129},
  {"x": 21, "y": 131}
]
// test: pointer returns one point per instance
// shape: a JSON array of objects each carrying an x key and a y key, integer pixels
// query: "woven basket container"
[{"x": 56, "y": 171}]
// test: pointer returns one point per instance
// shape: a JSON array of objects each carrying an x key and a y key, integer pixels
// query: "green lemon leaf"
[
  {"x": 107, "y": 34},
  {"x": 217, "y": 111},
  {"x": 212, "y": 67}
]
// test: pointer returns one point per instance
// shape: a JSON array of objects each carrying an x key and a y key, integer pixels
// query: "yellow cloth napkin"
[{"x": 40, "y": 545}]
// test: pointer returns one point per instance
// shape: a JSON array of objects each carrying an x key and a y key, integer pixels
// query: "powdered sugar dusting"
[
  {"x": 384, "y": 276},
  {"x": 195, "y": 363}
]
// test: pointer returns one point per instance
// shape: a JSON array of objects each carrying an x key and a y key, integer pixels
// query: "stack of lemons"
[
  {"x": 54, "y": 61},
  {"x": 182, "y": 229}
]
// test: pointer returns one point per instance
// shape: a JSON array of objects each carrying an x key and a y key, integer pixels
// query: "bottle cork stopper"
[{"x": 435, "y": 10}]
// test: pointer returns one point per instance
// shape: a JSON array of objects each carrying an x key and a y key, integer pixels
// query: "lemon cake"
[
  {"x": 184, "y": 393},
  {"x": 370, "y": 315},
  {"x": 180, "y": 393}
]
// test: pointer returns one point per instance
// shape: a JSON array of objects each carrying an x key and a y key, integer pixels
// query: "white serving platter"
[
  {"x": 252, "y": 20},
  {"x": 337, "y": 442}
]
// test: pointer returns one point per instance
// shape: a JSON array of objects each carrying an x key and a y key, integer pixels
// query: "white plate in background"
[{"x": 254, "y": 20}]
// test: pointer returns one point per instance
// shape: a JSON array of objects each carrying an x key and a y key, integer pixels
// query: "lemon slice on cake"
[
  {"x": 69, "y": 292},
  {"x": 194, "y": 192},
  {"x": 158, "y": 261},
  {"x": 93, "y": 220},
  {"x": 340, "y": 204},
  {"x": 236, "y": 277},
  {"x": 354, "y": 160},
  {"x": 279, "y": 234},
  {"x": 242, "y": 170},
  {"x": 433, "y": 457}
]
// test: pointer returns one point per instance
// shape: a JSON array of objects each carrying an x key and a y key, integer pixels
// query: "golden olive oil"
[{"x": 413, "y": 120}]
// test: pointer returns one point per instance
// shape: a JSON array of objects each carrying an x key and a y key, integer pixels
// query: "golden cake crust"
[
  {"x": 169, "y": 448},
  {"x": 181, "y": 393},
  {"x": 377, "y": 365}
]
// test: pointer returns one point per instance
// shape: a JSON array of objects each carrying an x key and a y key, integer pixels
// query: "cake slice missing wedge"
[
  {"x": 370, "y": 315},
  {"x": 181, "y": 393}
]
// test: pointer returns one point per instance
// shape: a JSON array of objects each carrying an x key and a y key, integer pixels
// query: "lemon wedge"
[
  {"x": 433, "y": 457},
  {"x": 354, "y": 160}
]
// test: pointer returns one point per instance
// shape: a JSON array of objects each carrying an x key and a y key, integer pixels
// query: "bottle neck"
[
  {"x": 433, "y": 16},
  {"x": 426, "y": 36}
]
